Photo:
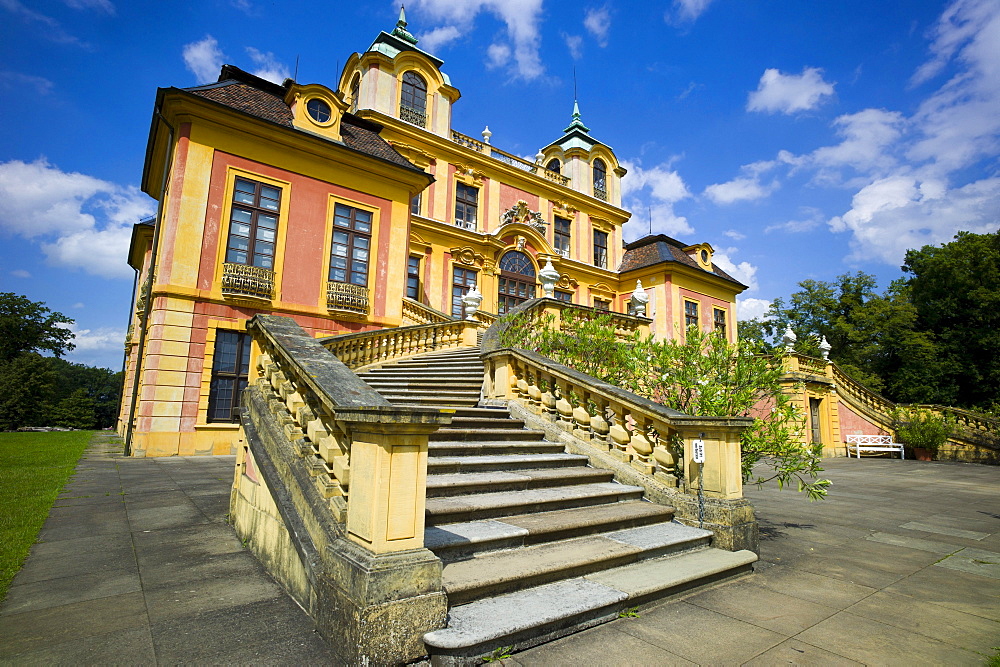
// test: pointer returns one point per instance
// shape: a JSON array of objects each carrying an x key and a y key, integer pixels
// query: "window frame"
[
  {"x": 255, "y": 210},
  {"x": 600, "y": 179},
  {"x": 601, "y": 258},
  {"x": 354, "y": 233},
  {"x": 562, "y": 237},
  {"x": 413, "y": 97},
  {"x": 563, "y": 295},
  {"x": 464, "y": 205},
  {"x": 459, "y": 289},
  {"x": 558, "y": 165},
  {"x": 719, "y": 320},
  {"x": 238, "y": 379},
  {"x": 602, "y": 305},
  {"x": 691, "y": 313},
  {"x": 415, "y": 202},
  {"x": 413, "y": 274}
]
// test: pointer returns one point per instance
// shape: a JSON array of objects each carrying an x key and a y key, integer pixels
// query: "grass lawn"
[{"x": 33, "y": 469}]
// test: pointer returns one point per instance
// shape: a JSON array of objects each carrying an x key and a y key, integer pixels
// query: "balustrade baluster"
[{"x": 618, "y": 435}]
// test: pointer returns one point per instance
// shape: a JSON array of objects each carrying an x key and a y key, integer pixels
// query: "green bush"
[{"x": 921, "y": 428}]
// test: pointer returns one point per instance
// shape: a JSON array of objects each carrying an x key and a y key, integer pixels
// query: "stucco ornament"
[
  {"x": 520, "y": 212},
  {"x": 548, "y": 276},
  {"x": 788, "y": 339},
  {"x": 639, "y": 300},
  {"x": 824, "y": 348},
  {"x": 472, "y": 299}
]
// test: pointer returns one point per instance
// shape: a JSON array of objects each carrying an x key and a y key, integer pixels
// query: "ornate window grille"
[
  {"x": 413, "y": 100},
  {"x": 245, "y": 280},
  {"x": 347, "y": 297},
  {"x": 600, "y": 180}
]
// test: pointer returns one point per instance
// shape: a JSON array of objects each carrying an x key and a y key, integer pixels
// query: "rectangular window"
[
  {"x": 462, "y": 280},
  {"x": 230, "y": 369},
  {"x": 601, "y": 249},
  {"x": 720, "y": 321},
  {"x": 253, "y": 224},
  {"x": 466, "y": 204},
  {"x": 415, "y": 204},
  {"x": 349, "y": 252},
  {"x": 690, "y": 314},
  {"x": 603, "y": 305},
  {"x": 413, "y": 277},
  {"x": 564, "y": 296},
  {"x": 562, "y": 237}
]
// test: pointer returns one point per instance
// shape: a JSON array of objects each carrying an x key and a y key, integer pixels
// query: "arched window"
[
  {"x": 554, "y": 165},
  {"x": 413, "y": 99},
  {"x": 355, "y": 92},
  {"x": 600, "y": 180},
  {"x": 517, "y": 280}
]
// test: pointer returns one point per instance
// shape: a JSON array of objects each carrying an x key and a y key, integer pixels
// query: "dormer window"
[
  {"x": 413, "y": 99},
  {"x": 554, "y": 165},
  {"x": 600, "y": 180},
  {"x": 319, "y": 110}
]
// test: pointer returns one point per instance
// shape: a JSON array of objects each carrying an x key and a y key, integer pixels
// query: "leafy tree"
[
  {"x": 28, "y": 326},
  {"x": 27, "y": 385},
  {"x": 78, "y": 410}
]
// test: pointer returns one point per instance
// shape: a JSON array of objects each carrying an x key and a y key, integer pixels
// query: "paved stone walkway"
[{"x": 901, "y": 565}]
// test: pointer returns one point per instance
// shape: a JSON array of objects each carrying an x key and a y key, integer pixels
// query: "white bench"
[{"x": 873, "y": 443}]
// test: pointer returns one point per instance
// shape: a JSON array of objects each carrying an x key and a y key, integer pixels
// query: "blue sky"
[{"x": 801, "y": 139}]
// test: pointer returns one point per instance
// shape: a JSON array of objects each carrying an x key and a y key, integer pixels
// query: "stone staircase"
[{"x": 535, "y": 543}]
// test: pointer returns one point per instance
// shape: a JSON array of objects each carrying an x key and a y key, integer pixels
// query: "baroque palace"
[{"x": 356, "y": 208}]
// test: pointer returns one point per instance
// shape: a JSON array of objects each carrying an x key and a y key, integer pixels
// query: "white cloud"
[
  {"x": 50, "y": 28},
  {"x": 575, "y": 45},
  {"x": 16, "y": 81},
  {"x": 438, "y": 37},
  {"x": 79, "y": 304},
  {"x": 651, "y": 195},
  {"x": 204, "y": 59},
  {"x": 521, "y": 17},
  {"x": 734, "y": 235},
  {"x": 497, "y": 55},
  {"x": 745, "y": 272},
  {"x": 101, "y": 5},
  {"x": 688, "y": 10},
  {"x": 867, "y": 134},
  {"x": 812, "y": 219},
  {"x": 789, "y": 93},
  {"x": 739, "y": 189},
  {"x": 597, "y": 21},
  {"x": 748, "y": 309},
  {"x": 268, "y": 66},
  {"x": 20, "y": 273},
  {"x": 81, "y": 221}
]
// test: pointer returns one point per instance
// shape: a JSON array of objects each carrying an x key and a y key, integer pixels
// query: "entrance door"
[
  {"x": 817, "y": 432},
  {"x": 517, "y": 281}
]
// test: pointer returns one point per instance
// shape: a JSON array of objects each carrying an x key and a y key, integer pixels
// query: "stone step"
[
  {"x": 441, "y": 364},
  {"x": 466, "y": 422},
  {"x": 456, "y": 448},
  {"x": 506, "y": 503},
  {"x": 454, "y": 541},
  {"x": 432, "y": 402},
  {"x": 494, "y": 462},
  {"x": 460, "y": 434},
  {"x": 455, "y": 484},
  {"x": 533, "y": 616},
  {"x": 500, "y": 572},
  {"x": 428, "y": 372},
  {"x": 423, "y": 383}
]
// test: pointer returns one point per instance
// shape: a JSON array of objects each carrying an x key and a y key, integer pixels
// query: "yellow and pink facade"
[{"x": 356, "y": 208}]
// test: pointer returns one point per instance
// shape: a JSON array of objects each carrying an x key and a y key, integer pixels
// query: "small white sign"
[{"x": 699, "y": 451}]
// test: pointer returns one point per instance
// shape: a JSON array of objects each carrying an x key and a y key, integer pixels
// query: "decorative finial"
[
  {"x": 825, "y": 347},
  {"x": 789, "y": 339},
  {"x": 539, "y": 156},
  {"x": 487, "y": 134},
  {"x": 576, "y": 123},
  {"x": 401, "y": 30},
  {"x": 548, "y": 276}
]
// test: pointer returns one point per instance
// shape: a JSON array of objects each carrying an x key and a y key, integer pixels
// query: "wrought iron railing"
[
  {"x": 246, "y": 280},
  {"x": 600, "y": 193},
  {"x": 346, "y": 297},
  {"x": 413, "y": 116}
]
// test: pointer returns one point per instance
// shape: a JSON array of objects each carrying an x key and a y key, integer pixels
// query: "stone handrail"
[
  {"x": 359, "y": 350},
  {"x": 654, "y": 439},
  {"x": 485, "y": 318},
  {"x": 350, "y": 437},
  {"x": 420, "y": 313},
  {"x": 507, "y": 158},
  {"x": 625, "y": 325}
]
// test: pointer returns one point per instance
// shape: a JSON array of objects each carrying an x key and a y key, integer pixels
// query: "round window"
[
  {"x": 704, "y": 257},
  {"x": 318, "y": 110}
]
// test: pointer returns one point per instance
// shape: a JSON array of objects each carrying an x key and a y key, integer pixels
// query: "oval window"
[{"x": 318, "y": 110}]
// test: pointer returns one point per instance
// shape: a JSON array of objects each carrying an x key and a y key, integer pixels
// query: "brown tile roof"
[
  {"x": 263, "y": 99},
  {"x": 651, "y": 250}
]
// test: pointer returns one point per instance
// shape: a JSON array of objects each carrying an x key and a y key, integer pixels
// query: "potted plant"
[{"x": 921, "y": 430}]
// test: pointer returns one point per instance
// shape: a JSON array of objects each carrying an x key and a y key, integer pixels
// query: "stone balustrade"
[
  {"x": 356, "y": 351},
  {"x": 418, "y": 313},
  {"x": 367, "y": 457}
]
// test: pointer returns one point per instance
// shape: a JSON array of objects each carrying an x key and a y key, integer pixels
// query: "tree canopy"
[
  {"x": 28, "y": 326},
  {"x": 932, "y": 336}
]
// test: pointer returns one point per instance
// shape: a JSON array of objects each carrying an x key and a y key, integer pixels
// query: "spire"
[
  {"x": 577, "y": 123},
  {"x": 400, "y": 30}
]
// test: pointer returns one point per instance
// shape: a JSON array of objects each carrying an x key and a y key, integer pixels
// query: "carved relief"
[
  {"x": 566, "y": 283},
  {"x": 520, "y": 212},
  {"x": 418, "y": 157},
  {"x": 467, "y": 256},
  {"x": 564, "y": 209},
  {"x": 468, "y": 175}
]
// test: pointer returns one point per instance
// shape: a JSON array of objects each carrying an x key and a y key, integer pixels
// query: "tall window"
[
  {"x": 355, "y": 93},
  {"x": 253, "y": 224},
  {"x": 413, "y": 277},
  {"x": 600, "y": 180},
  {"x": 415, "y": 204},
  {"x": 517, "y": 281},
  {"x": 230, "y": 369},
  {"x": 413, "y": 100},
  {"x": 601, "y": 249},
  {"x": 719, "y": 316},
  {"x": 466, "y": 204},
  {"x": 349, "y": 252},
  {"x": 562, "y": 238},
  {"x": 690, "y": 314},
  {"x": 461, "y": 281},
  {"x": 554, "y": 165}
]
